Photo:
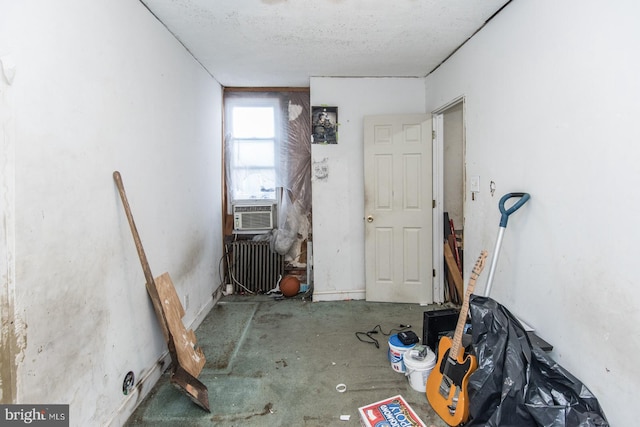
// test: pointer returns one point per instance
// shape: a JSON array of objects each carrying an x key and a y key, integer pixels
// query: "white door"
[{"x": 398, "y": 208}]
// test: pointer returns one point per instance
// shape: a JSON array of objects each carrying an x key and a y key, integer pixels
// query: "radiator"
[{"x": 254, "y": 267}]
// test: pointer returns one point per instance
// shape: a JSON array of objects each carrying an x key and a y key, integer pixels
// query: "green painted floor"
[{"x": 277, "y": 363}]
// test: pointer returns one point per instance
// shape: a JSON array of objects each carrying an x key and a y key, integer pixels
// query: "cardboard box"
[{"x": 394, "y": 411}]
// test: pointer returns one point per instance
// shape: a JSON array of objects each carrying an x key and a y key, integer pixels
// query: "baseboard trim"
[
  {"x": 144, "y": 384},
  {"x": 150, "y": 377},
  {"x": 355, "y": 294}
]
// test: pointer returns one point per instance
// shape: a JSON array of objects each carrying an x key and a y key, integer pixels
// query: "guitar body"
[{"x": 447, "y": 383}]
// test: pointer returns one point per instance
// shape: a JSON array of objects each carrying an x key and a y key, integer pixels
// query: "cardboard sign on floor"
[{"x": 394, "y": 411}]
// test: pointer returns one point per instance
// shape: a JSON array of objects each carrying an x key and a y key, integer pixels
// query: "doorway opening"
[{"x": 449, "y": 191}]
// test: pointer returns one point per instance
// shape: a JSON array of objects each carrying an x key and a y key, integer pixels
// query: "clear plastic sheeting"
[
  {"x": 293, "y": 229},
  {"x": 292, "y": 182},
  {"x": 517, "y": 383}
]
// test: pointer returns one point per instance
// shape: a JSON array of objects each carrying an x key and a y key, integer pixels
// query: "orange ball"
[{"x": 290, "y": 286}]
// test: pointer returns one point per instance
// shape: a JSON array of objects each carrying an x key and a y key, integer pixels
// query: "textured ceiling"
[{"x": 285, "y": 42}]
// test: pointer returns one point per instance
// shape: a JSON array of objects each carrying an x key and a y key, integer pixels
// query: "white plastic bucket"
[
  {"x": 396, "y": 352},
  {"x": 418, "y": 370}
]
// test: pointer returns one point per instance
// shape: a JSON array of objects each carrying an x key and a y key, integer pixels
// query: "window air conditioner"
[{"x": 253, "y": 217}]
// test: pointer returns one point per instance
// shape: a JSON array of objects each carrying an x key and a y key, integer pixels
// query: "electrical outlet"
[
  {"x": 128, "y": 383},
  {"x": 474, "y": 183}
]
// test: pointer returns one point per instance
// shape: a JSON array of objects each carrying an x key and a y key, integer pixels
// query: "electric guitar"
[{"x": 447, "y": 383}]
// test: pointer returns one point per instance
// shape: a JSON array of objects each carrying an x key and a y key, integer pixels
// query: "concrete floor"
[{"x": 277, "y": 363}]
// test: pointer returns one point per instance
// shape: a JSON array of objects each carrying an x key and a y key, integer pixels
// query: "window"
[
  {"x": 252, "y": 148},
  {"x": 267, "y": 154}
]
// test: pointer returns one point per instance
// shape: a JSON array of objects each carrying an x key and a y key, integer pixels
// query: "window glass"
[
  {"x": 252, "y": 148},
  {"x": 255, "y": 153},
  {"x": 253, "y": 122},
  {"x": 254, "y": 184}
]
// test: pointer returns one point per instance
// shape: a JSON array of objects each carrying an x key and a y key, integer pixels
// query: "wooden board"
[
  {"x": 451, "y": 288},
  {"x": 453, "y": 244},
  {"x": 453, "y": 268},
  {"x": 190, "y": 356}
]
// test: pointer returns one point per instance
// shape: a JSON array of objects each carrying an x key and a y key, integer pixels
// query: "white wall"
[
  {"x": 338, "y": 199},
  {"x": 101, "y": 86},
  {"x": 551, "y": 109}
]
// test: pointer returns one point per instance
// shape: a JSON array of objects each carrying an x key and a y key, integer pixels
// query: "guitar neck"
[
  {"x": 462, "y": 320},
  {"x": 464, "y": 310}
]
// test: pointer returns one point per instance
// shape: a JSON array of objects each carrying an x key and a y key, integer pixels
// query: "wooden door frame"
[{"x": 437, "y": 120}]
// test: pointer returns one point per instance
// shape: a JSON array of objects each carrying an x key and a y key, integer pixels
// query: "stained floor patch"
[{"x": 229, "y": 321}]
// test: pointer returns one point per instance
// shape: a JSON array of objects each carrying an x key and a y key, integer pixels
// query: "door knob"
[{"x": 370, "y": 218}]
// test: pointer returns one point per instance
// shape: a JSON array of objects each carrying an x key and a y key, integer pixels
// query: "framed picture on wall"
[{"x": 324, "y": 125}]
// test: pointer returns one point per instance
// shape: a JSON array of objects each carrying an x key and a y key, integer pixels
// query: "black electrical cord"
[
  {"x": 368, "y": 335},
  {"x": 372, "y": 340}
]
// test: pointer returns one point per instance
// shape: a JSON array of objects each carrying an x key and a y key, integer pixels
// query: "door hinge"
[
  {"x": 433, "y": 135},
  {"x": 434, "y": 272},
  {"x": 433, "y": 204}
]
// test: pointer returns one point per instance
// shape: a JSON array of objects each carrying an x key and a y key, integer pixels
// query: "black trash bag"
[{"x": 517, "y": 383}]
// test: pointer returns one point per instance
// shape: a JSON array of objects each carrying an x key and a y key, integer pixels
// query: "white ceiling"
[{"x": 284, "y": 42}]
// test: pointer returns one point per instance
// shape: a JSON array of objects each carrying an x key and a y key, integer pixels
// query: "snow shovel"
[
  {"x": 187, "y": 360},
  {"x": 524, "y": 197}
]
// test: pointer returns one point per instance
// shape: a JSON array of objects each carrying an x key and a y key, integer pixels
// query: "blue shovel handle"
[{"x": 524, "y": 197}]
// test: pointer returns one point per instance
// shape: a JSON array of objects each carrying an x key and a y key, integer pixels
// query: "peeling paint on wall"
[
  {"x": 7, "y": 367},
  {"x": 12, "y": 343},
  {"x": 294, "y": 111},
  {"x": 19, "y": 339}
]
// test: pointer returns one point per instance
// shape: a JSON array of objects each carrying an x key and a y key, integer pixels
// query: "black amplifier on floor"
[{"x": 437, "y": 323}]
